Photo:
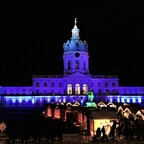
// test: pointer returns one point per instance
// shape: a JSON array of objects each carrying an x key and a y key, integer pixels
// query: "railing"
[
  {"x": 61, "y": 76},
  {"x": 104, "y": 76},
  {"x": 47, "y": 76}
]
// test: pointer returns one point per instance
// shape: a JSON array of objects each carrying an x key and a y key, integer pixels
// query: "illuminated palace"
[{"x": 73, "y": 85}]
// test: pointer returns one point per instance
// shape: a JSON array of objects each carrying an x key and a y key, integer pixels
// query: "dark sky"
[{"x": 35, "y": 33}]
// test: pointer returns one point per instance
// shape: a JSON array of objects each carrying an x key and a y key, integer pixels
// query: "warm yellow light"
[{"x": 100, "y": 123}]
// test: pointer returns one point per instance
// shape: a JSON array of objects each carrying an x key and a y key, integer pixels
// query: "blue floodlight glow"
[
  {"x": 124, "y": 98},
  {"x": 118, "y": 99},
  {"x": 33, "y": 100},
  {"x": 81, "y": 98},
  {"x": 48, "y": 99},
  {"x": 111, "y": 100},
  {"x": 64, "y": 99},
  {"x": 13, "y": 100},
  {"x": 128, "y": 100},
  {"x": 20, "y": 100}
]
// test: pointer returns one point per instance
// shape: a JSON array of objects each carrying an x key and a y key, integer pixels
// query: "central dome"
[{"x": 75, "y": 44}]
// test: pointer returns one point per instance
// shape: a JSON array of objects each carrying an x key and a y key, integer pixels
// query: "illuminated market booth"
[{"x": 100, "y": 118}]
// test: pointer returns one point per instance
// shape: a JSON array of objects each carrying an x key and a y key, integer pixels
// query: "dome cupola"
[{"x": 75, "y": 44}]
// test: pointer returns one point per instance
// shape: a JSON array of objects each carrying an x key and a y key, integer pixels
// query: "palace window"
[
  {"x": 69, "y": 65},
  {"x": 99, "y": 84},
  {"x": 37, "y": 84},
  {"x": 92, "y": 84},
  {"x": 23, "y": 91},
  {"x": 113, "y": 91},
  {"x": 106, "y": 85},
  {"x": 77, "y": 64},
  {"x": 113, "y": 84},
  {"x": 60, "y": 84},
  {"x": 84, "y": 65},
  {"x": 77, "y": 89},
  {"x": 85, "y": 88},
  {"x": 130, "y": 92},
  {"x": 52, "y": 91},
  {"x": 45, "y": 84},
  {"x": 99, "y": 91},
  {"x": 5, "y": 91},
  {"x": 69, "y": 89},
  {"x": 45, "y": 91},
  {"x": 52, "y": 85},
  {"x": 37, "y": 91},
  {"x": 11, "y": 91},
  {"x": 107, "y": 91}
]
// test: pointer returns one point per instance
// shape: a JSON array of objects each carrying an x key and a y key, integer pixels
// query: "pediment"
[{"x": 77, "y": 75}]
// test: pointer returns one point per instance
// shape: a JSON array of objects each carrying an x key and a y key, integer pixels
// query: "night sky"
[{"x": 35, "y": 33}]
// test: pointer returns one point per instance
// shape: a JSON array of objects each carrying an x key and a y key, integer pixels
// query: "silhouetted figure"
[
  {"x": 119, "y": 130},
  {"x": 104, "y": 137},
  {"x": 98, "y": 133},
  {"x": 112, "y": 131}
]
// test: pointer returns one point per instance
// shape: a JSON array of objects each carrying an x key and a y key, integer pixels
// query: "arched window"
[
  {"x": 77, "y": 89},
  {"x": 77, "y": 64},
  {"x": 69, "y": 89},
  {"x": 69, "y": 66},
  {"x": 85, "y": 88},
  {"x": 84, "y": 65}
]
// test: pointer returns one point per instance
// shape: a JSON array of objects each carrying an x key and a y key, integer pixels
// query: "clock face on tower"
[{"x": 77, "y": 54}]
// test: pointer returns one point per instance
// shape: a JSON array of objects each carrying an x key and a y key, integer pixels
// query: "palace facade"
[{"x": 73, "y": 85}]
